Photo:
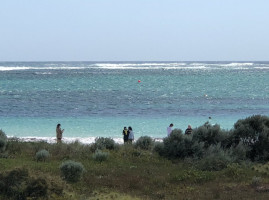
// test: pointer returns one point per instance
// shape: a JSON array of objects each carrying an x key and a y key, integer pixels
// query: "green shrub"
[
  {"x": 144, "y": 142},
  {"x": 250, "y": 127},
  {"x": 17, "y": 184},
  {"x": 210, "y": 135},
  {"x": 42, "y": 155},
  {"x": 72, "y": 171},
  {"x": 256, "y": 181},
  {"x": 234, "y": 171},
  {"x": 14, "y": 146},
  {"x": 178, "y": 145},
  {"x": 104, "y": 143},
  {"x": 254, "y": 132},
  {"x": 100, "y": 156},
  {"x": 2, "y": 145},
  {"x": 197, "y": 150},
  {"x": 37, "y": 188},
  {"x": 3, "y": 135},
  {"x": 13, "y": 183},
  {"x": 159, "y": 148},
  {"x": 3, "y": 141},
  {"x": 215, "y": 159},
  {"x": 176, "y": 131},
  {"x": 239, "y": 152}
]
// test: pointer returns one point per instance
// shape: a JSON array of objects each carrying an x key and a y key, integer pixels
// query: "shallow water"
[{"x": 99, "y": 99}]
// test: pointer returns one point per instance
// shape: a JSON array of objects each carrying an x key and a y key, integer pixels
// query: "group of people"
[
  {"x": 188, "y": 131},
  {"x": 128, "y": 135}
]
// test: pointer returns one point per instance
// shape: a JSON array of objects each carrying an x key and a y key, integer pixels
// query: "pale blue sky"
[{"x": 134, "y": 30}]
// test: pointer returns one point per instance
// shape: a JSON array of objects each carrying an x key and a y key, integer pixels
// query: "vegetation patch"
[
  {"x": 144, "y": 142},
  {"x": 100, "y": 156},
  {"x": 209, "y": 164},
  {"x": 72, "y": 171},
  {"x": 42, "y": 155}
]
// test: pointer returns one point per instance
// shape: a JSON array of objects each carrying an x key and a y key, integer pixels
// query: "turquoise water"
[{"x": 94, "y": 99}]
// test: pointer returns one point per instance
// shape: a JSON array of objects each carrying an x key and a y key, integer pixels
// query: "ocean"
[{"x": 97, "y": 99}]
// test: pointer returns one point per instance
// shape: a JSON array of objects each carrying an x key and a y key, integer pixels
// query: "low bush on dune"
[
  {"x": 3, "y": 141},
  {"x": 217, "y": 147},
  {"x": 215, "y": 159},
  {"x": 2, "y": 145},
  {"x": 210, "y": 135},
  {"x": 234, "y": 171},
  {"x": 104, "y": 143},
  {"x": 239, "y": 152},
  {"x": 37, "y": 188},
  {"x": 42, "y": 155},
  {"x": 253, "y": 132},
  {"x": 256, "y": 181},
  {"x": 17, "y": 184},
  {"x": 248, "y": 129},
  {"x": 100, "y": 156},
  {"x": 144, "y": 142},
  {"x": 178, "y": 145},
  {"x": 64, "y": 151},
  {"x": 159, "y": 148},
  {"x": 72, "y": 171}
]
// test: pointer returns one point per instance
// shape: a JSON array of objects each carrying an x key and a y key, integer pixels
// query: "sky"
[{"x": 134, "y": 30}]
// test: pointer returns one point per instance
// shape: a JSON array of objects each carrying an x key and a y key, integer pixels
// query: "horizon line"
[{"x": 143, "y": 61}]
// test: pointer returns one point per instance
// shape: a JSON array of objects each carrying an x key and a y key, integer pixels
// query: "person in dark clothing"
[
  {"x": 188, "y": 131},
  {"x": 125, "y": 134}
]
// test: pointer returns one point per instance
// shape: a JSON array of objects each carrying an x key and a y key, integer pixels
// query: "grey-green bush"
[
  {"x": 254, "y": 132},
  {"x": 178, "y": 145},
  {"x": 144, "y": 142},
  {"x": 250, "y": 127},
  {"x": 12, "y": 184},
  {"x": 3, "y": 141},
  {"x": 100, "y": 156},
  {"x": 72, "y": 171},
  {"x": 210, "y": 134},
  {"x": 2, "y": 134},
  {"x": 104, "y": 143},
  {"x": 215, "y": 159},
  {"x": 256, "y": 181},
  {"x": 159, "y": 148},
  {"x": 239, "y": 152},
  {"x": 42, "y": 155},
  {"x": 17, "y": 184},
  {"x": 37, "y": 188}
]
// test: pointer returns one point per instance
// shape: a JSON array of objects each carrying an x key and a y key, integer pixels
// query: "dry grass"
[{"x": 130, "y": 173}]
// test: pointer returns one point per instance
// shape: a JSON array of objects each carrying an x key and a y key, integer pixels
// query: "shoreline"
[{"x": 68, "y": 140}]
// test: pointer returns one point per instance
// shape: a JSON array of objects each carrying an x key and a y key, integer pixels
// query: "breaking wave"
[{"x": 136, "y": 66}]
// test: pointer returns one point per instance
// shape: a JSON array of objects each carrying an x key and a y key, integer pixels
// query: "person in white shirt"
[{"x": 169, "y": 129}]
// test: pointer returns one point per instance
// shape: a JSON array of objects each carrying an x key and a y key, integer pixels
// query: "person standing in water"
[
  {"x": 59, "y": 133},
  {"x": 125, "y": 134},
  {"x": 169, "y": 129}
]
